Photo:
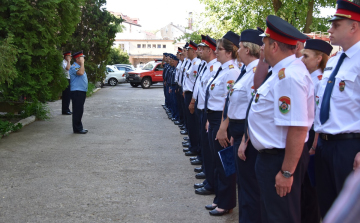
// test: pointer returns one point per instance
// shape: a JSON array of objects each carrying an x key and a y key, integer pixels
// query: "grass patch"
[{"x": 91, "y": 88}]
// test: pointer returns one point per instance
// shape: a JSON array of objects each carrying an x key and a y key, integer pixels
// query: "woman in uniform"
[{"x": 216, "y": 92}]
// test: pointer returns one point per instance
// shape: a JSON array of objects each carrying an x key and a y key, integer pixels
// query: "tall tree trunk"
[
  {"x": 309, "y": 17},
  {"x": 277, "y": 5}
]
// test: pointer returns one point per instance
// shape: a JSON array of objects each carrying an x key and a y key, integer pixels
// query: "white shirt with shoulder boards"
[
  {"x": 241, "y": 93},
  {"x": 316, "y": 77},
  {"x": 186, "y": 68},
  {"x": 222, "y": 84},
  {"x": 64, "y": 65},
  {"x": 202, "y": 68},
  {"x": 285, "y": 99},
  {"x": 191, "y": 74},
  {"x": 211, "y": 69},
  {"x": 177, "y": 72},
  {"x": 344, "y": 116},
  {"x": 181, "y": 72}
]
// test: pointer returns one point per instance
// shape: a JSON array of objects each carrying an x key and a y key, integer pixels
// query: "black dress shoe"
[
  {"x": 219, "y": 213},
  {"x": 196, "y": 162},
  {"x": 200, "y": 175},
  {"x": 177, "y": 123},
  {"x": 84, "y": 131},
  {"x": 174, "y": 119},
  {"x": 182, "y": 128},
  {"x": 186, "y": 142},
  {"x": 199, "y": 185},
  {"x": 210, "y": 207},
  {"x": 193, "y": 158},
  {"x": 186, "y": 138},
  {"x": 189, "y": 153},
  {"x": 186, "y": 150},
  {"x": 186, "y": 145},
  {"x": 183, "y": 132},
  {"x": 198, "y": 169},
  {"x": 203, "y": 191},
  {"x": 67, "y": 113}
]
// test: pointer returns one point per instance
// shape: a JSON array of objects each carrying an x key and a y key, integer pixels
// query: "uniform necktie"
[
  {"x": 207, "y": 95},
  {"x": 226, "y": 107},
  {"x": 248, "y": 109},
  {"x": 325, "y": 104},
  {"x": 182, "y": 73},
  {"x": 203, "y": 71}
]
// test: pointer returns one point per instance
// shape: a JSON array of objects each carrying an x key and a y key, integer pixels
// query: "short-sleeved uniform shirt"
[
  {"x": 186, "y": 68},
  {"x": 191, "y": 75},
  {"x": 222, "y": 84},
  {"x": 178, "y": 67},
  {"x": 202, "y": 68},
  {"x": 285, "y": 99},
  {"x": 64, "y": 65},
  {"x": 77, "y": 82},
  {"x": 241, "y": 93},
  {"x": 344, "y": 116}
]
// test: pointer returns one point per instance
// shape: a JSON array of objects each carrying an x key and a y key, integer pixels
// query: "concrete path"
[{"x": 129, "y": 167}]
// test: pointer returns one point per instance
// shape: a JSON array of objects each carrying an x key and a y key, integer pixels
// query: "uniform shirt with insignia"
[
  {"x": 64, "y": 65},
  {"x": 191, "y": 74},
  {"x": 201, "y": 71},
  {"x": 344, "y": 116},
  {"x": 178, "y": 67},
  {"x": 285, "y": 99},
  {"x": 211, "y": 69},
  {"x": 241, "y": 93},
  {"x": 222, "y": 84},
  {"x": 77, "y": 82},
  {"x": 186, "y": 68}
]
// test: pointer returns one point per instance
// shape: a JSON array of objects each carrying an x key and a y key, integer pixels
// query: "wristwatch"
[{"x": 286, "y": 174}]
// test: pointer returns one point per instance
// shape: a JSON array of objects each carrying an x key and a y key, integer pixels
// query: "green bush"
[
  {"x": 91, "y": 88},
  {"x": 6, "y": 127},
  {"x": 40, "y": 110}
]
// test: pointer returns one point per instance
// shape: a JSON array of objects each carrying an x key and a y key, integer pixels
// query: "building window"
[
  {"x": 154, "y": 45},
  {"x": 144, "y": 46},
  {"x": 149, "y": 46},
  {"x": 122, "y": 47},
  {"x": 159, "y": 45},
  {"x": 164, "y": 46},
  {"x": 139, "y": 46}
]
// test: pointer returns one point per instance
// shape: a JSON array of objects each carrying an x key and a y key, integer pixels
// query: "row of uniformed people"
[{"x": 269, "y": 114}]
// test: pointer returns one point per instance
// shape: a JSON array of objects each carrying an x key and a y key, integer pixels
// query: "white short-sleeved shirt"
[
  {"x": 344, "y": 116},
  {"x": 285, "y": 99},
  {"x": 177, "y": 74},
  {"x": 316, "y": 77},
  {"x": 191, "y": 74},
  {"x": 223, "y": 83},
  {"x": 186, "y": 68},
  {"x": 201, "y": 70},
  {"x": 241, "y": 93},
  {"x": 211, "y": 69},
  {"x": 64, "y": 64}
]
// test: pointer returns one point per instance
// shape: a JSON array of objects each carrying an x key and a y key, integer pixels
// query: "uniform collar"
[
  {"x": 353, "y": 50},
  {"x": 194, "y": 60},
  {"x": 283, "y": 63},
  {"x": 212, "y": 62},
  {"x": 316, "y": 73},
  {"x": 251, "y": 65},
  {"x": 227, "y": 64}
]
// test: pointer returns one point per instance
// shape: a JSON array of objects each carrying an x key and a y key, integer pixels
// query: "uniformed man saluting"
[{"x": 78, "y": 88}]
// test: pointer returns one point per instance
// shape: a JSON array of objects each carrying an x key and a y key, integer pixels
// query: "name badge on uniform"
[
  {"x": 342, "y": 86},
  {"x": 281, "y": 74},
  {"x": 328, "y": 68}
]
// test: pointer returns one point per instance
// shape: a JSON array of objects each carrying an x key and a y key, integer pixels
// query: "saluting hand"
[
  {"x": 357, "y": 161},
  {"x": 282, "y": 184}
]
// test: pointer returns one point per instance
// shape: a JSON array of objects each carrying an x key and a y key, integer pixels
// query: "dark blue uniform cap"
[
  {"x": 67, "y": 53},
  {"x": 260, "y": 29},
  {"x": 193, "y": 45},
  {"x": 164, "y": 54},
  {"x": 203, "y": 39},
  {"x": 210, "y": 42},
  {"x": 252, "y": 36},
  {"x": 318, "y": 44},
  {"x": 186, "y": 45},
  {"x": 78, "y": 54},
  {"x": 346, "y": 10},
  {"x": 282, "y": 31},
  {"x": 232, "y": 37}
]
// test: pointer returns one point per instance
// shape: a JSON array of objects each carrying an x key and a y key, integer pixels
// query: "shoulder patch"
[
  {"x": 73, "y": 64},
  {"x": 194, "y": 62},
  {"x": 281, "y": 74},
  {"x": 254, "y": 69},
  {"x": 319, "y": 77},
  {"x": 211, "y": 68},
  {"x": 231, "y": 66},
  {"x": 284, "y": 104}
]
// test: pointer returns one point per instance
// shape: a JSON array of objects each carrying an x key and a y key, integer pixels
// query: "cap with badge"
[
  {"x": 78, "y": 54},
  {"x": 232, "y": 37},
  {"x": 193, "y": 45},
  {"x": 179, "y": 50},
  {"x": 282, "y": 31},
  {"x": 252, "y": 36},
  {"x": 346, "y": 10},
  {"x": 67, "y": 53},
  {"x": 186, "y": 46},
  {"x": 210, "y": 42},
  {"x": 318, "y": 44},
  {"x": 203, "y": 39}
]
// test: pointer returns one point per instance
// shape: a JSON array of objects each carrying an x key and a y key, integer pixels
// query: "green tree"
[
  {"x": 37, "y": 27},
  {"x": 8, "y": 60},
  {"x": 118, "y": 56},
  {"x": 95, "y": 35},
  {"x": 194, "y": 36},
  {"x": 237, "y": 15}
]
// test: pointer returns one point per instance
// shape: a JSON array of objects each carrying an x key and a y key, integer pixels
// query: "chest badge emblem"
[{"x": 342, "y": 86}]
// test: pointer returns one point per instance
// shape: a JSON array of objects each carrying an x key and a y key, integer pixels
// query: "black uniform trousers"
[
  {"x": 192, "y": 128},
  {"x": 333, "y": 163},
  {"x": 179, "y": 98},
  {"x": 248, "y": 188},
  {"x": 78, "y": 101},
  {"x": 65, "y": 99},
  {"x": 182, "y": 101},
  {"x": 225, "y": 187},
  {"x": 310, "y": 212},
  {"x": 174, "y": 106},
  {"x": 276, "y": 209},
  {"x": 198, "y": 117}
]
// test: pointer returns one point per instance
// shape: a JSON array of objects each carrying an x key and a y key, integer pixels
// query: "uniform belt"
[
  {"x": 272, "y": 151},
  {"x": 329, "y": 137},
  {"x": 240, "y": 121},
  {"x": 209, "y": 111},
  {"x": 188, "y": 92}
]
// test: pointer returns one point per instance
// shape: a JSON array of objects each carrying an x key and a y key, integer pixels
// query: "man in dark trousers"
[
  {"x": 78, "y": 88},
  {"x": 66, "y": 93}
]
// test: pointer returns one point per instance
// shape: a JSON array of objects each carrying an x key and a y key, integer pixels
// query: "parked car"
[
  {"x": 151, "y": 73},
  {"x": 114, "y": 76}
]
